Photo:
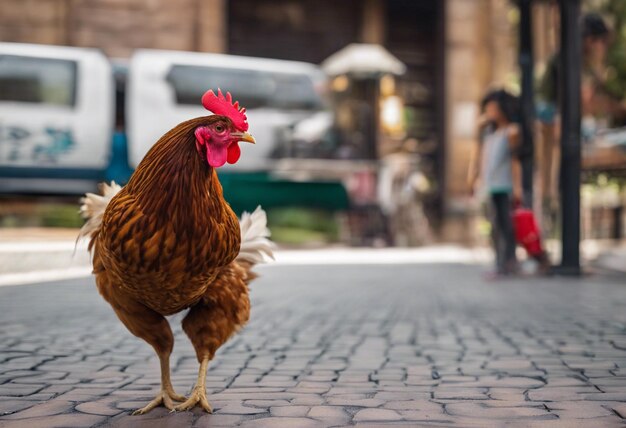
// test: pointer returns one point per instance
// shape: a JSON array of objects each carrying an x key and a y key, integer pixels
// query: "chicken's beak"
[{"x": 244, "y": 136}]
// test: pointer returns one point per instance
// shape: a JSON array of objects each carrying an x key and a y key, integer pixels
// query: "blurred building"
[{"x": 454, "y": 50}]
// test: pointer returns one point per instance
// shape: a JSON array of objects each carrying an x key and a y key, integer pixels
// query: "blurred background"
[{"x": 364, "y": 110}]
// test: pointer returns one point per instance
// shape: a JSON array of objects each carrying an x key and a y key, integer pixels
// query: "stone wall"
[
  {"x": 34, "y": 21},
  {"x": 117, "y": 26}
]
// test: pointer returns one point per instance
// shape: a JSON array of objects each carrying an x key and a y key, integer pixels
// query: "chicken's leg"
[
  {"x": 152, "y": 327},
  {"x": 209, "y": 323},
  {"x": 198, "y": 395},
  {"x": 167, "y": 395}
]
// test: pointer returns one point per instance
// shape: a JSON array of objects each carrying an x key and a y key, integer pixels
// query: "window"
[
  {"x": 253, "y": 89},
  {"x": 37, "y": 80}
]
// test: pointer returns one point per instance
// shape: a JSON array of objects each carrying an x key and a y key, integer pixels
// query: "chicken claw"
[
  {"x": 165, "y": 397},
  {"x": 198, "y": 396}
]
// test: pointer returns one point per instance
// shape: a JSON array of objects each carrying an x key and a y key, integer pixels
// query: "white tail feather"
[
  {"x": 93, "y": 206},
  {"x": 255, "y": 245}
]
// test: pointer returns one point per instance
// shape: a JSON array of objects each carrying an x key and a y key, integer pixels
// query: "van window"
[
  {"x": 253, "y": 89},
  {"x": 37, "y": 80}
]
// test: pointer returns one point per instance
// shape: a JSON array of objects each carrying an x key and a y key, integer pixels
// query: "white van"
[
  {"x": 165, "y": 88},
  {"x": 56, "y": 118},
  {"x": 66, "y": 124}
]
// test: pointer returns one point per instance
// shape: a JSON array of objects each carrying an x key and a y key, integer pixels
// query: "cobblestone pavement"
[{"x": 421, "y": 345}]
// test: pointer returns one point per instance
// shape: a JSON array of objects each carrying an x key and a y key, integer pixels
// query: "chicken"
[{"x": 168, "y": 241}]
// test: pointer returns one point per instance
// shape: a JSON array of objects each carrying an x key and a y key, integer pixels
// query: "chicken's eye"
[{"x": 219, "y": 128}]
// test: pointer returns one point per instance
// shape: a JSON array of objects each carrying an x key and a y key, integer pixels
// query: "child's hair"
[
  {"x": 507, "y": 102},
  {"x": 593, "y": 25}
]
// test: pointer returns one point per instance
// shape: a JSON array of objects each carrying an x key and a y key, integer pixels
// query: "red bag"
[{"x": 527, "y": 231}]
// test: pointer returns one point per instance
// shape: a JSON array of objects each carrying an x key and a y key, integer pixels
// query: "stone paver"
[{"x": 334, "y": 346}]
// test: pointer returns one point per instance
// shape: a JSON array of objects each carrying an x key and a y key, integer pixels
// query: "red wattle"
[{"x": 234, "y": 152}]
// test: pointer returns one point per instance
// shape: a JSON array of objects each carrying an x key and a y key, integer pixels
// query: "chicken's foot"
[
  {"x": 167, "y": 395},
  {"x": 165, "y": 398},
  {"x": 198, "y": 394}
]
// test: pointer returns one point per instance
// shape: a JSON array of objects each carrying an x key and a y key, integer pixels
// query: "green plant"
[
  {"x": 58, "y": 215},
  {"x": 299, "y": 226}
]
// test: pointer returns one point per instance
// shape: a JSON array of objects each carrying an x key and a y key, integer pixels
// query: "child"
[{"x": 496, "y": 171}]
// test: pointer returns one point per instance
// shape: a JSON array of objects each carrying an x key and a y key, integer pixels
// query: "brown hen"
[{"x": 168, "y": 241}]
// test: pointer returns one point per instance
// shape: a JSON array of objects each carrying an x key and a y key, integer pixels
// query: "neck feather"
[{"x": 173, "y": 178}]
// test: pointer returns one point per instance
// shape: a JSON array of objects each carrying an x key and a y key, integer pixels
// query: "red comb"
[{"x": 218, "y": 104}]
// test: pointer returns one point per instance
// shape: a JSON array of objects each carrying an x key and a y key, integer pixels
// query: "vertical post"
[
  {"x": 373, "y": 24},
  {"x": 527, "y": 101},
  {"x": 570, "y": 77},
  {"x": 441, "y": 49},
  {"x": 372, "y": 96}
]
